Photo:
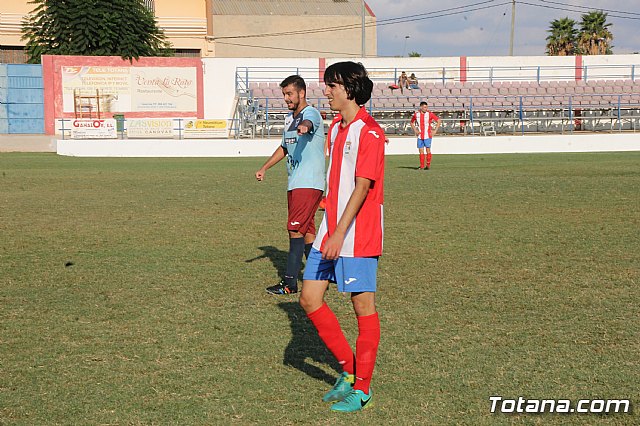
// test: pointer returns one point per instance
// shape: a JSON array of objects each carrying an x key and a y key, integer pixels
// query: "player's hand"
[
  {"x": 386, "y": 140},
  {"x": 260, "y": 175},
  {"x": 303, "y": 129},
  {"x": 332, "y": 247}
]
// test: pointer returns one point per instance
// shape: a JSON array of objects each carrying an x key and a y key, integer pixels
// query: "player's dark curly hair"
[{"x": 353, "y": 76}]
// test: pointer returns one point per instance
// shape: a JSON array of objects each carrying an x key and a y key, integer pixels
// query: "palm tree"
[
  {"x": 562, "y": 37},
  {"x": 595, "y": 37}
]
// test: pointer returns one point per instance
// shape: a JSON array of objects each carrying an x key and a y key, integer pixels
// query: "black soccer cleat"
[{"x": 281, "y": 288}]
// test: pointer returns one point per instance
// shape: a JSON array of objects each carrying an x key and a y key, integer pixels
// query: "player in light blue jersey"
[{"x": 303, "y": 146}]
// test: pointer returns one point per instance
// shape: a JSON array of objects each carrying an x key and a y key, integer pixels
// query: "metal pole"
[
  {"x": 513, "y": 25},
  {"x": 571, "y": 123},
  {"x": 364, "y": 48},
  {"x": 619, "y": 118},
  {"x": 473, "y": 133}
]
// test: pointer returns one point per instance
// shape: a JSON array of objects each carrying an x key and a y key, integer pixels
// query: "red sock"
[
  {"x": 366, "y": 350},
  {"x": 331, "y": 334},
  {"x": 422, "y": 161},
  {"x": 429, "y": 160}
]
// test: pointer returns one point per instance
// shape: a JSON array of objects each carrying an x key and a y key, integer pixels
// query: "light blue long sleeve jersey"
[{"x": 305, "y": 153}]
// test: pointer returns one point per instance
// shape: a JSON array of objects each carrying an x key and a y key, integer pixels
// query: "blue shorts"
[
  {"x": 424, "y": 143},
  {"x": 352, "y": 274}
]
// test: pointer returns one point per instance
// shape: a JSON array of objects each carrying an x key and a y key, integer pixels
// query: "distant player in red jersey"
[
  {"x": 349, "y": 239},
  {"x": 421, "y": 123}
]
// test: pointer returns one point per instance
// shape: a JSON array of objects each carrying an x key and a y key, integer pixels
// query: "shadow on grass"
[
  {"x": 306, "y": 344},
  {"x": 277, "y": 257}
]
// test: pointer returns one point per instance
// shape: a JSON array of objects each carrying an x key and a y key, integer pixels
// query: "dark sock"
[
  {"x": 294, "y": 261},
  {"x": 307, "y": 250}
]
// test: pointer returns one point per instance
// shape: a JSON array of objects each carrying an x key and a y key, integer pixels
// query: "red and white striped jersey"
[
  {"x": 356, "y": 150},
  {"x": 424, "y": 121}
]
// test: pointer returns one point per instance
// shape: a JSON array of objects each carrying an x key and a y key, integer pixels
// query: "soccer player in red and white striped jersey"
[
  {"x": 421, "y": 122},
  {"x": 349, "y": 240}
]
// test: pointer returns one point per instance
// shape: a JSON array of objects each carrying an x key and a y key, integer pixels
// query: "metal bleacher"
[{"x": 476, "y": 107}]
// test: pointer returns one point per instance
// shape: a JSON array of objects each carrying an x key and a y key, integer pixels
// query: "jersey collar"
[
  {"x": 293, "y": 114},
  {"x": 362, "y": 112}
]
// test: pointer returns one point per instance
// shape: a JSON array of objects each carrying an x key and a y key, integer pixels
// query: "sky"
[{"x": 486, "y": 31}]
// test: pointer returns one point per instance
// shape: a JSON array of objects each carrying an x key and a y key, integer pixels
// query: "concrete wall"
[
  {"x": 13, "y": 12},
  {"x": 397, "y": 146},
  {"x": 27, "y": 143},
  {"x": 347, "y": 42},
  {"x": 220, "y": 79}
]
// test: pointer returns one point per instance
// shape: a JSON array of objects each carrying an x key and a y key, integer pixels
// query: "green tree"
[
  {"x": 562, "y": 39},
  {"x": 124, "y": 28},
  {"x": 414, "y": 55},
  {"x": 595, "y": 37}
]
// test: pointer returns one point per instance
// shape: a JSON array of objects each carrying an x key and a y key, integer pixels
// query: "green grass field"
[{"x": 132, "y": 292}]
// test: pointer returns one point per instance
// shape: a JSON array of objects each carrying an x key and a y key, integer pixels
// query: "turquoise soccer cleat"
[
  {"x": 356, "y": 400},
  {"x": 343, "y": 386}
]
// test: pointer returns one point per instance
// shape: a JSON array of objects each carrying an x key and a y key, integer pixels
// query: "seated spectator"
[
  {"x": 403, "y": 82},
  {"x": 413, "y": 81}
]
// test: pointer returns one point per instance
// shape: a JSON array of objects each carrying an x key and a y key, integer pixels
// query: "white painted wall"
[
  {"x": 220, "y": 79},
  {"x": 520, "y": 67},
  {"x": 522, "y": 144},
  {"x": 397, "y": 146}
]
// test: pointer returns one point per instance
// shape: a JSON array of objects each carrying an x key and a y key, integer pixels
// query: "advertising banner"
[
  {"x": 163, "y": 89},
  {"x": 131, "y": 89},
  {"x": 205, "y": 129},
  {"x": 87, "y": 128},
  {"x": 149, "y": 128}
]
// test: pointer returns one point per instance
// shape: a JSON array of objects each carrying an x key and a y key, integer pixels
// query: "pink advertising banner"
[{"x": 148, "y": 88}]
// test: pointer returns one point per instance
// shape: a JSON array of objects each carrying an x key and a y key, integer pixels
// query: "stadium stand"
[{"x": 479, "y": 107}]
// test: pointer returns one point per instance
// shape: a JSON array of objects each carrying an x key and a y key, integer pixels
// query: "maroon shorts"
[{"x": 303, "y": 204}]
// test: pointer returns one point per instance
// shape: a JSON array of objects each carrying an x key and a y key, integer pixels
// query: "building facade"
[
  {"x": 237, "y": 28},
  {"x": 292, "y": 28}
]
